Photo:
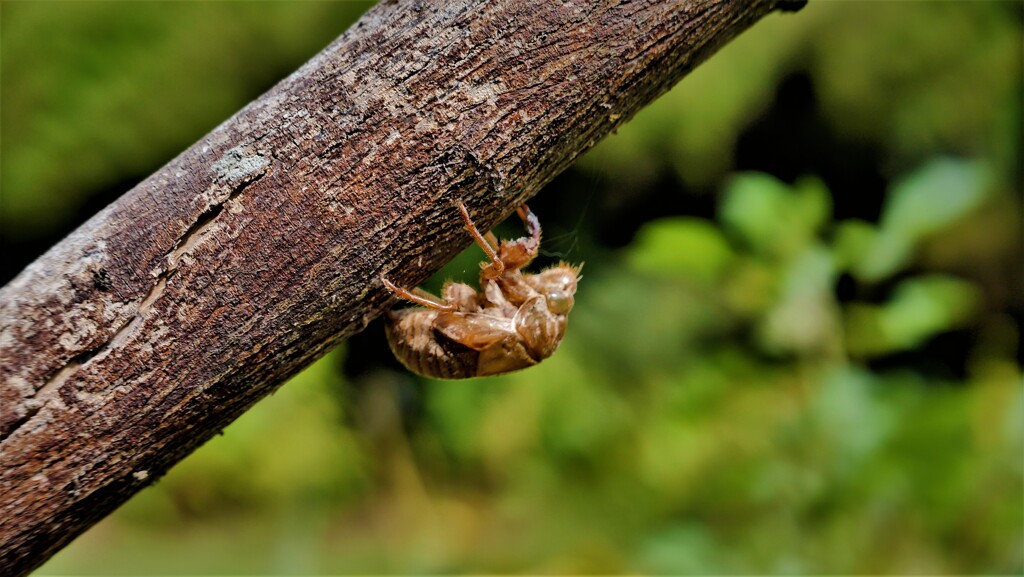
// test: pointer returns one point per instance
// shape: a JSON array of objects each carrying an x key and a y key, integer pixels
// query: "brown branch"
[{"x": 166, "y": 315}]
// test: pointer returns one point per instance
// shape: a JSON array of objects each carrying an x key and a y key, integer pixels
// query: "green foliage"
[
  {"x": 919, "y": 309},
  {"x": 919, "y": 206},
  {"x": 770, "y": 216},
  {"x": 114, "y": 92},
  {"x": 937, "y": 79},
  {"x": 681, "y": 247},
  {"x": 761, "y": 389}
]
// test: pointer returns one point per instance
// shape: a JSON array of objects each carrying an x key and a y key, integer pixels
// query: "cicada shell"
[{"x": 514, "y": 321}]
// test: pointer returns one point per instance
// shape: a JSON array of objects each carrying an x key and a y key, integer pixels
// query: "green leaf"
[
  {"x": 920, "y": 308},
  {"x": 934, "y": 197},
  {"x": 772, "y": 217},
  {"x": 922, "y": 204},
  {"x": 688, "y": 248}
]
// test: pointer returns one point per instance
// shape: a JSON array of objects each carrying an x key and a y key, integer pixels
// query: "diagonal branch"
[{"x": 166, "y": 315}]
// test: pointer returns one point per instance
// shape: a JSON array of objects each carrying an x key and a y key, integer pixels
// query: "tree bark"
[{"x": 166, "y": 315}]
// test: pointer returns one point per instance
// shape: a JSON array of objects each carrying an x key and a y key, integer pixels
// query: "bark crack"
[{"x": 189, "y": 239}]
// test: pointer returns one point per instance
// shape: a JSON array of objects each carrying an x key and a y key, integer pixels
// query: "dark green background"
[{"x": 796, "y": 348}]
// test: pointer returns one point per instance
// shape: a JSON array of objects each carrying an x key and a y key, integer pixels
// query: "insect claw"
[{"x": 390, "y": 286}]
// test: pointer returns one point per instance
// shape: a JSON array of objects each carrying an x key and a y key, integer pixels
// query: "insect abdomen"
[{"x": 417, "y": 345}]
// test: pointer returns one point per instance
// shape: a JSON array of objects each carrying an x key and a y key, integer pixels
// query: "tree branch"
[{"x": 166, "y": 315}]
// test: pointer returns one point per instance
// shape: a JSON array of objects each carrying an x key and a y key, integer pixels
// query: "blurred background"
[{"x": 796, "y": 348}]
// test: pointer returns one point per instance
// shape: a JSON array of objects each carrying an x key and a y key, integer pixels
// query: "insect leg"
[
  {"x": 418, "y": 296},
  {"x": 491, "y": 240},
  {"x": 498, "y": 266}
]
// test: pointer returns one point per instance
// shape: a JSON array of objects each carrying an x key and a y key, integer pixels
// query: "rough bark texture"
[{"x": 166, "y": 315}]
